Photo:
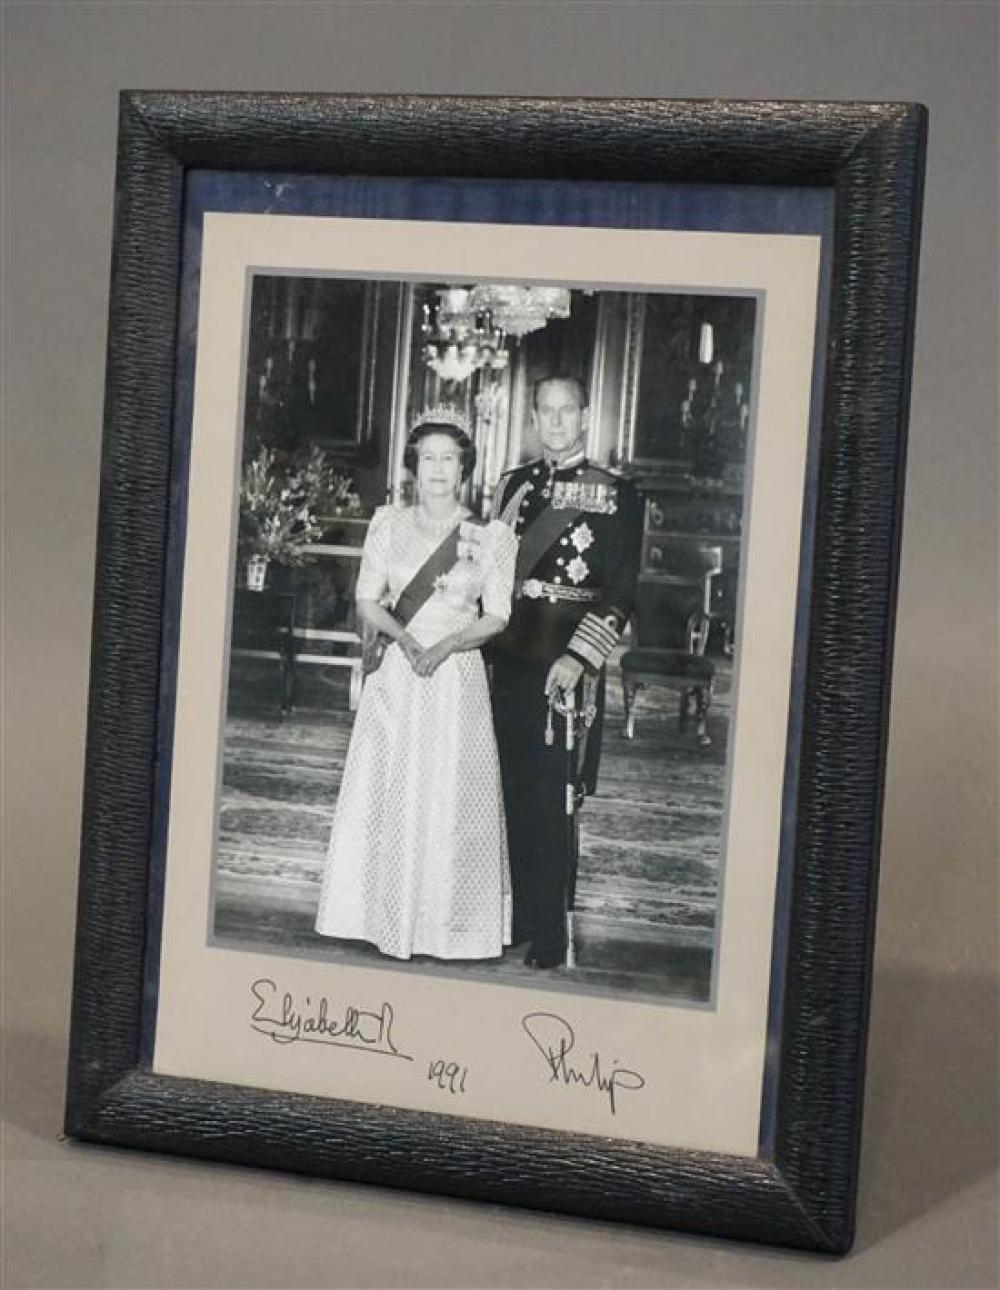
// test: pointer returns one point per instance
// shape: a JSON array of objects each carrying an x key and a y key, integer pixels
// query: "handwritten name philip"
[
  {"x": 286, "y": 1019},
  {"x": 555, "y": 1039}
]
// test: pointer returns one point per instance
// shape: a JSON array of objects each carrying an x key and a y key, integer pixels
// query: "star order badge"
[
  {"x": 582, "y": 537},
  {"x": 577, "y": 569}
]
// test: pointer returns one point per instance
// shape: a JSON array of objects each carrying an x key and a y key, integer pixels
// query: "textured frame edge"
[{"x": 873, "y": 155}]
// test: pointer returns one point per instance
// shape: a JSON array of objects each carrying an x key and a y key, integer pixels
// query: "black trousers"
[{"x": 540, "y": 834}]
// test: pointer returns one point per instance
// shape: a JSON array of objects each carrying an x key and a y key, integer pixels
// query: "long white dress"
[{"x": 417, "y": 862}]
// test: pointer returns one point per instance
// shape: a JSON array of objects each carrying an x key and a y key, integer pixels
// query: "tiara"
[{"x": 442, "y": 414}]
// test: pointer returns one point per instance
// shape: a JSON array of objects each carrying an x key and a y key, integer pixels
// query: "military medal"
[{"x": 580, "y": 495}]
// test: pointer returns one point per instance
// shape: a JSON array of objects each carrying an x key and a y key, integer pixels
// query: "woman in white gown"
[{"x": 417, "y": 862}]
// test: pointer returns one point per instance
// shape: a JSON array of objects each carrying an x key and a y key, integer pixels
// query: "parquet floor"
[{"x": 650, "y": 839}]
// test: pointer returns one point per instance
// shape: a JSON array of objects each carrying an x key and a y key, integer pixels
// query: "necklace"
[{"x": 438, "y": 527}]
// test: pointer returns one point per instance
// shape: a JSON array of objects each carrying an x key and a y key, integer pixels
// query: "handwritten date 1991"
[
  {"x": 555, "y": 1039},
  {"x": 449, "y": 1077}
]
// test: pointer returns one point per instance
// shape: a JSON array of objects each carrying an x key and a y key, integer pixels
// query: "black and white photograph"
[{"x": 485, "y": 628}]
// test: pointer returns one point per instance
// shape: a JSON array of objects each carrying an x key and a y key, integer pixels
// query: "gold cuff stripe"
[
  {"x": 587, "y": 652},
  {"x": 599, "y": 631},
  {"x": 594, "y": 639}
]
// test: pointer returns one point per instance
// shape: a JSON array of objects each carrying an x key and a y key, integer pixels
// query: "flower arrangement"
[{"x": 280, "y": 504}]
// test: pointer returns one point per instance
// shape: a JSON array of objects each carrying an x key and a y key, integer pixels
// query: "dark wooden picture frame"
[{"x": 871, "y": 155}]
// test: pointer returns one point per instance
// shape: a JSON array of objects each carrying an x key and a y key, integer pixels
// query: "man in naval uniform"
[{"x": 580, "y": 531}]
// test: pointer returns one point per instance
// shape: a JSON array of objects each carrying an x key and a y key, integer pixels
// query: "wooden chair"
[{"x": 684, "y": 667}]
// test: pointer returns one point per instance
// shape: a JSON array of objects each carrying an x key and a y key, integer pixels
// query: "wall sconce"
[{"x": 706, "y": 343}]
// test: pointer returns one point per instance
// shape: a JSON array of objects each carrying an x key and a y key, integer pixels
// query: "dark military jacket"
[{"x": 580, "y": 531}]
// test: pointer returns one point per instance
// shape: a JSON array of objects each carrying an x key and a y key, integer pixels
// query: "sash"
[
  {"x": 420, "y": 588},
  {"x": 540, "y": 537}
]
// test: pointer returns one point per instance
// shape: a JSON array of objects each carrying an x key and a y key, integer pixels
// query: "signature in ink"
[
  {"x": 554, "y": 1038},
  {"x": 286, "y": 1020}
]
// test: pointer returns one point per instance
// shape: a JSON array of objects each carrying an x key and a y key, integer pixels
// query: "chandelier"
[
  {"x": 459, "y": 339},
  {"x": 519, "y": 310},
  {"x": 469, "y": 326}
]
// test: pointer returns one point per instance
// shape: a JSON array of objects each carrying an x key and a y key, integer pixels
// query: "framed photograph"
[{"x": 496, "y": 571}]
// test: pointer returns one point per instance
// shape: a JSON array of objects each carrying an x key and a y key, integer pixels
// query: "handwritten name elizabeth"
[
  {"x": 287, "y": 1020},
  {"x": 555, "y": 1039}
]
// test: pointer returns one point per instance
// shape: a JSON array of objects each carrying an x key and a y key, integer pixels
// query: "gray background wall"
[{"x": 83, "y": 1217}]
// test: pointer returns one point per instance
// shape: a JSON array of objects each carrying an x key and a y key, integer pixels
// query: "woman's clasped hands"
[{"x": 425, "y": 662}]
